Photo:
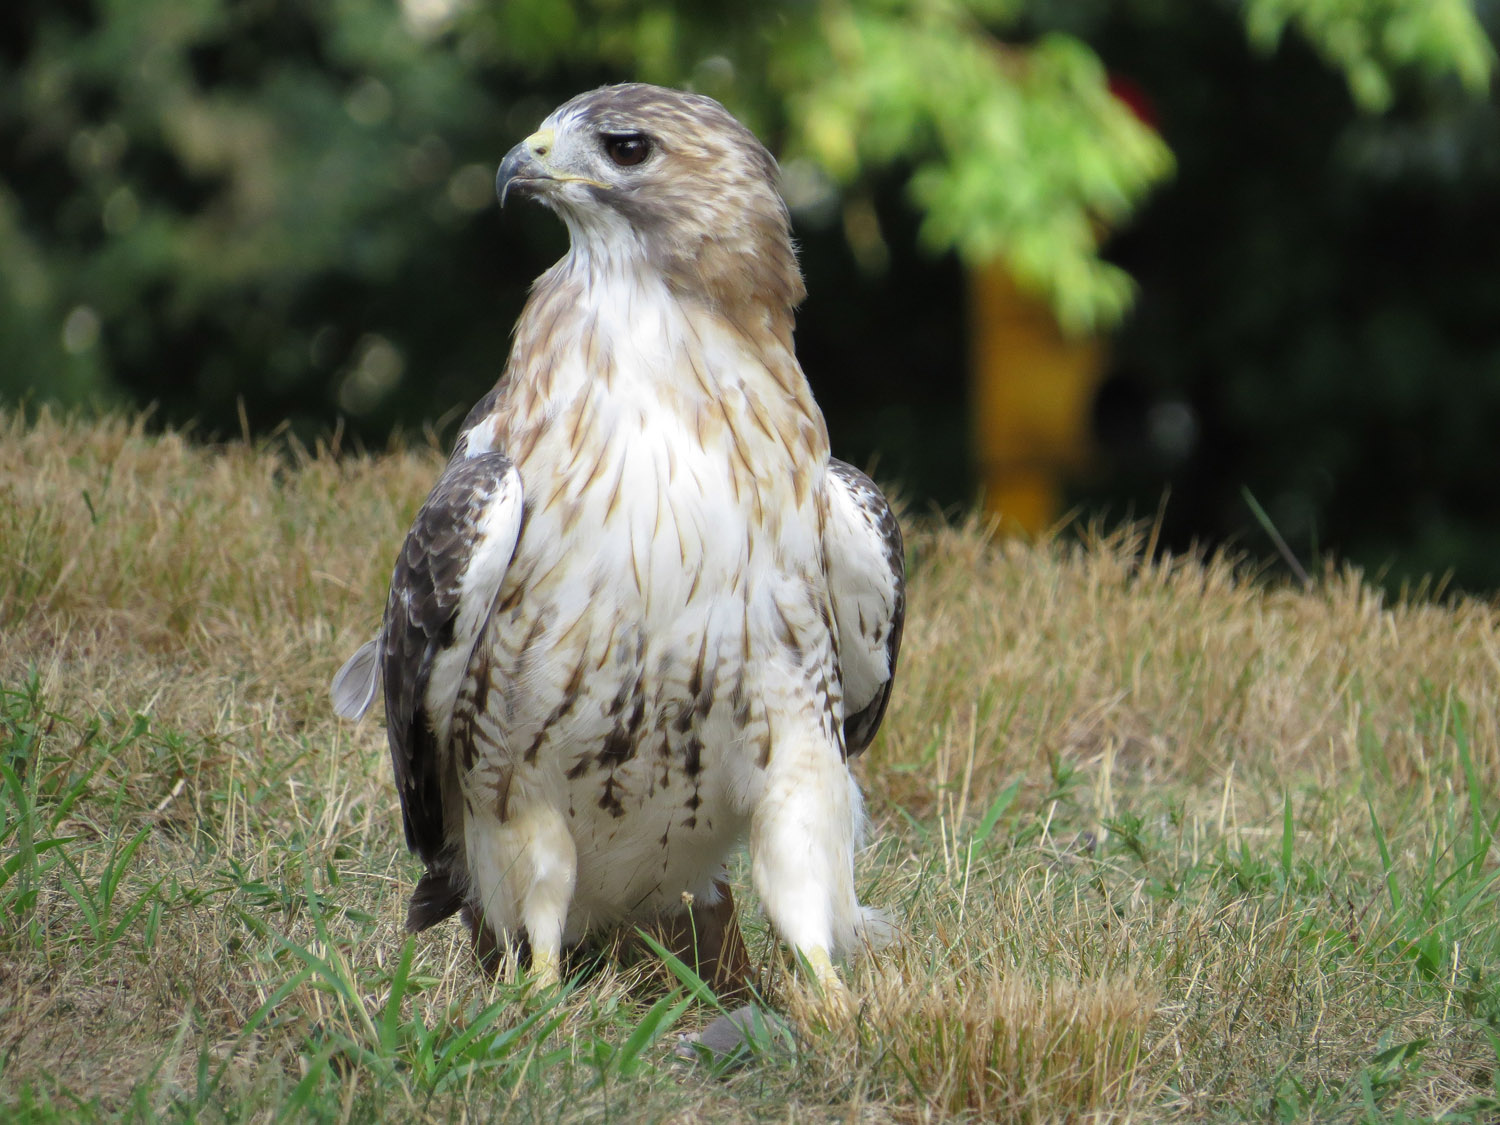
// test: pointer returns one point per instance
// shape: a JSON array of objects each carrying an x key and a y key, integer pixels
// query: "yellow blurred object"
[{"x": 1031, "y": 391}]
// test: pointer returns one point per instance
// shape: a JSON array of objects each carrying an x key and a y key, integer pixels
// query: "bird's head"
[{"x": 645, "y": 176}]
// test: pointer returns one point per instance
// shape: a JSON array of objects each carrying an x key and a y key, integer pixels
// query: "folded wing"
[
  {"x": 866, "y": 566},
  {"x": 447, "y": 576}
]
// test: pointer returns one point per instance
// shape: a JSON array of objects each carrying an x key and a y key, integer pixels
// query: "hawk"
[{"x": 643, "y": 615}]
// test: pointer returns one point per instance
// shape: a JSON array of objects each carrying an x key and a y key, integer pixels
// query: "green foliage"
[
  {"x": 1019, "y": 154},
  {"x": 1371, "y": 42},
  {"x": 181, "y": 163},
  {"x": 210, "y": 180}
]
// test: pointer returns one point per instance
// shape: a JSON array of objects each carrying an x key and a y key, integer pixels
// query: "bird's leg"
[
  {"x": 546, "y": 870},
  {"x": 802, "y": 832},
  {"x": 524, "y": 865}
]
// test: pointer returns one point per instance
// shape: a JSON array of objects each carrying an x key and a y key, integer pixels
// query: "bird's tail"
[
  {"x": 434, "y": 899},
  {"x": 354, "y": 685}
]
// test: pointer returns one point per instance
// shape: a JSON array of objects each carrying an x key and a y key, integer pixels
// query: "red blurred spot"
[{"x": 1134, "y": 97}]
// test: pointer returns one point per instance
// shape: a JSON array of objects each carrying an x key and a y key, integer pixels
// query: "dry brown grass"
[{"x": 1166, "y": 841}]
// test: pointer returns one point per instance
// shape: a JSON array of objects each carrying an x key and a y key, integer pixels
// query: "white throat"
[{"x": 603, "y": 247}]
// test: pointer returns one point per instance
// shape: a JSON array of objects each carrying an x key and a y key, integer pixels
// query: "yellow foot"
[
  {"x": 835, "y": 1002},
  {"x": 545, "y": 966}
]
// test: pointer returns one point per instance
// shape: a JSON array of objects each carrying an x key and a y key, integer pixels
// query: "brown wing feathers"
[{"x": 419, "y": 625}]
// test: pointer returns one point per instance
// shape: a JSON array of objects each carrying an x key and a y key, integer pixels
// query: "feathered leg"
[
  {"x": 802, "y": 840},
  {"x": 523, "y": 866}
]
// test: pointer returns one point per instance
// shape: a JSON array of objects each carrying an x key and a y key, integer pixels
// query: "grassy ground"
[{"x": 1166, "y": 842}]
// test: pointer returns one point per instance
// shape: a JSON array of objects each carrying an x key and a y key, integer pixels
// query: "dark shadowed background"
[{"x": 281, "y": 215}]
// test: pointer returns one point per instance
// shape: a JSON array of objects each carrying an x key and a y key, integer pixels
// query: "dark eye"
[{"x": 627, "y": 149}]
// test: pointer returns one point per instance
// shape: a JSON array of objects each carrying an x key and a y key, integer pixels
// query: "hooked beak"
[
  {"x": 526, "y": 169},
  {"x": 522, "y": 166}
]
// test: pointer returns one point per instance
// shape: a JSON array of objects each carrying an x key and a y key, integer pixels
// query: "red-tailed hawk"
[{"x": 643, "y": 615}]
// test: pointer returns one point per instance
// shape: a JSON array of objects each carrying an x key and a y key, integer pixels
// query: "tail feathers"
[
  {"x": 354, "y": 686},
  {"x": 434, "y": 899}
]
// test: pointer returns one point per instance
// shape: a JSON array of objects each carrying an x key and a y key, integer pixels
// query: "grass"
[{"x": 1167, "y": 841}]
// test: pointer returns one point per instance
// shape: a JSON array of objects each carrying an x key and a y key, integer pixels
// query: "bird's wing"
[
  {"x": 446, "y": 579},
  {"x": 866, "y": 567},
  {"x": 445, "y": 582},
  {"x": 355, "y": 684}
]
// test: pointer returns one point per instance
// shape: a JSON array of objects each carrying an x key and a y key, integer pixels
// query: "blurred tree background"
[{"x": 1282, "y": 213}]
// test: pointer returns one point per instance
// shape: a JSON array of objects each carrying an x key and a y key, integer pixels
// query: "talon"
[
  {"x": 822, "y": 966},
  {"x": 837, "y": 1002}
]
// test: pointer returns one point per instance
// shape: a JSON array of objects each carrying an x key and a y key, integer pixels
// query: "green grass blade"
[
  {"x": 1263, "y": 518},
  {"x": 1479, "y": 836},
  {"x": 293, "y": 1109},
  {"x": 1287, "y": 839},
  {"x": 118, "y": 865},
  {"x": 125, "y": 921},
  {"x": 9, "y": 868},
  {"x": 993, "y": 814},
  {"x": 257, "y": 1018},
  {"x": 657, "y": 1021},
  {"x": 390, "y": 1018},
  {"x": 1385, "y": 857},
  {"x": 78, "y": 890},
  {"x": 697, "y": 987},
  {"x": 482, "y": 1022}
]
